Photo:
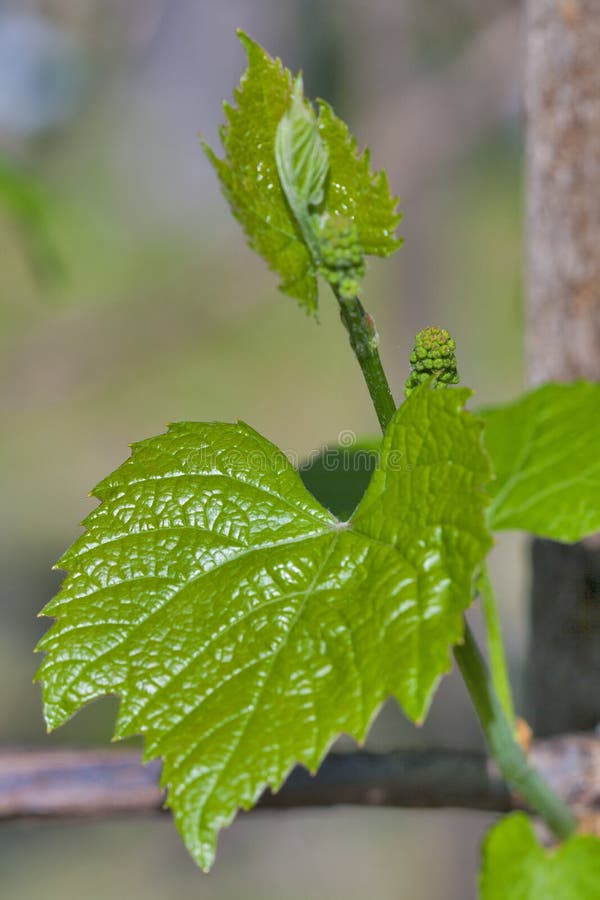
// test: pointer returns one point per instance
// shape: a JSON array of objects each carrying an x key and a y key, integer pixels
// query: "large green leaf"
[
  {"x": 324, "y": 177},
  {"x": 545, "y": 450},
  {"x": 517, "y": 867},
  {"x": 242, "y": 625}
]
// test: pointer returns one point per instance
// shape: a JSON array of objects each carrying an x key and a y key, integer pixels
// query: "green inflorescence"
[
  {"x": 342, "y": 262},
  {"x": 432, "y": 355}
]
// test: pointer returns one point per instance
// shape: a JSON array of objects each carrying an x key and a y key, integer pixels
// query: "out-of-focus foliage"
[
  {"x": 544, "y": 449},
  {"x": 27, "y": 206},
  {"x": 517, "y": 867},
  {"x": 339, "y": 475}
]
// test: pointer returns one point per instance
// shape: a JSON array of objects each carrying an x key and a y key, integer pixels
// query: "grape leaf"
[
  {"x": 544, "y": 449},
  {"x": 302, "y": 164},
  {"x": 517, "y": 867},
  {"x": 248, "y": 172},
  {"x": 249, "y": 175},
  {"x": 353, "y": 191},
  {"x": 242, "y": 625}
]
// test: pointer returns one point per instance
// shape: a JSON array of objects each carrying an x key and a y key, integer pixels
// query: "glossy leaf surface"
[
  {"x": 545, "y": 451},
  {"x": 354, "y": 191},
  {"x": 242, "y": 625},
  {"x": 248, "y": 172},
  {"x": 517, "y": 867}
]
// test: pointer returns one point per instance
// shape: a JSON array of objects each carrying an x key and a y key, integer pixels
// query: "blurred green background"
[{"x": 129, "y": 299}]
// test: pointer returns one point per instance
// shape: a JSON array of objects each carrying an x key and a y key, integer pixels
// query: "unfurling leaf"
[
  {"x": 242, "y": 625},
  {"x": 517, "y": 867},
  {"x": 302, "y": 164}
]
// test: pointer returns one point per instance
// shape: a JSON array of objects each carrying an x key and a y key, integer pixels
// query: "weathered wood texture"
[
  {"x": 563, "y": 331},
  {"x": 40, "y": 784},
  {"x": 563, "y": 189}
]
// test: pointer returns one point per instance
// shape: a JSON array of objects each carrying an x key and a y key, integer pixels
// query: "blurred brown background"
[{"x": 128, "y": 299}]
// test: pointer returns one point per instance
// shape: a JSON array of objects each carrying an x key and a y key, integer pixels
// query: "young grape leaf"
[
  {"x": 302, "y": 164},
  {"x": 248, "y": 172},
  {"x": 242, "y": 625},
  {"x": 544, "y": 449},
  {"x": 353, "y": 191},
  {"x": 321, "y": 170},
  {"x": 517, "y": 867}
]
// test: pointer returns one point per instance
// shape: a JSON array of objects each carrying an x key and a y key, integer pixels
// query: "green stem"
[
  {"x": 364, "y": 342},
  {"x": 496, "y": 652},
  {"x": 499, "y": 733},
  {"x": 497, "y": 725}
]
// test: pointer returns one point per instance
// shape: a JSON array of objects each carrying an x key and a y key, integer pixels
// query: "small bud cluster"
[
  {"x": 433, "y": 355},
  {"x": 342, "y": 261}
]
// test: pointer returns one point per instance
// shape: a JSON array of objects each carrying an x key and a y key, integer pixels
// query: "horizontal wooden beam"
[{"x": 39, "y": 784}]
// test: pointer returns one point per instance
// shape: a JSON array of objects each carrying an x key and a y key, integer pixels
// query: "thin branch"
[
  {"x": 90, "y": 783},
  {"x": 502, "y": 740}
]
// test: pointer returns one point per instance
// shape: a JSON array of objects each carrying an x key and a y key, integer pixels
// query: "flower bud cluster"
[
  {"x": 433, "y": 355},
  {"x": 342, "y": 261}
]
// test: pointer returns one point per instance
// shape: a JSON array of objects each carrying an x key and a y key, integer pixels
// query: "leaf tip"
[
  {"x": 248, "y": 43},
  {"x": 206, "y": 862},
  {"x": 208, "y": 150}
]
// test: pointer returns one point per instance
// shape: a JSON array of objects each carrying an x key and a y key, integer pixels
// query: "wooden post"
[{"x": 563, "y": 333}]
